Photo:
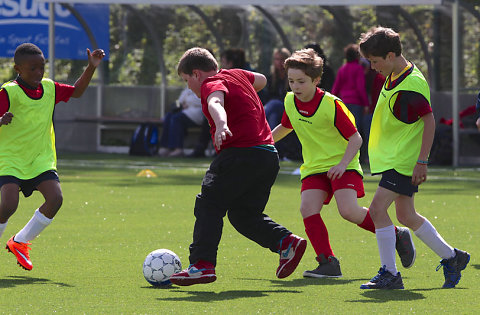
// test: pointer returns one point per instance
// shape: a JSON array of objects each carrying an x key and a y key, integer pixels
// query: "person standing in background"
[
  {"x": 349, "y": 86},
  {"x": 373, "y": 84}
]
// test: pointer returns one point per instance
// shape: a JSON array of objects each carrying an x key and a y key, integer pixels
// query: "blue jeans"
[
  {"x": 175, "y": 127},
  {"x": 357, "y": 112},
  {"x": 274, "y": 111},
  {"x": 367, "y": 122}
]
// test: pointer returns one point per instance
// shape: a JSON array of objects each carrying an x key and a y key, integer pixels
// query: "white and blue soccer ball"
[{"x": 159, "y": 266}]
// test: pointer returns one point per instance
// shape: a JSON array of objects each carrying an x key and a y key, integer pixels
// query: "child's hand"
[
  {"x": 221, "y": 135},
  {"x": 419, "y": 174},
  {"x": 478, "y": 123},
  {"x": 95, "y": 57},
  {"x": 6, "y": 118},
  {"x": 336, "y": 172}
]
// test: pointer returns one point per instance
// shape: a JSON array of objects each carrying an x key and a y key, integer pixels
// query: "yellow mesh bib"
[{"x": 27, "y": 144}]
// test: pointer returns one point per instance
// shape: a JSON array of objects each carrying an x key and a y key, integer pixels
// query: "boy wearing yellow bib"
[
  {"x": 330, "y": 144},
  {"x": 27, "y": 142},
  {"x": 401, "y": 137}
]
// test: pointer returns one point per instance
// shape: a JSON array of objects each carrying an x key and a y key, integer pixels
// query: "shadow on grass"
[
  {"x": 477, "y": 266},
  {"x": 13, "y": 281},
  {"x": 384, "y": 296},
  {"x": 203, "y": 296},
  {"x": 305, "y": 281}
]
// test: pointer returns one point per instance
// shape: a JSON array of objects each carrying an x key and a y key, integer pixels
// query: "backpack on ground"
[{"x": 144, "y": 140}]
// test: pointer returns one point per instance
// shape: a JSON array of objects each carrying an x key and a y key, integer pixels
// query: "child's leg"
[
  {"x": 43, "y": 216},
  {"x": 351, "y": 211},
  {"x": 311, "y": 205},
  {"x": 347, "y": 189},
  {"x": 385, "y": 231},
  {"x": 8, "y": 203},
  {"x": 422, "y": 228}
]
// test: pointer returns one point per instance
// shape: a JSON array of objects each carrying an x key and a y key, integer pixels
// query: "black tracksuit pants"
[{"x": 238, "y": 182}]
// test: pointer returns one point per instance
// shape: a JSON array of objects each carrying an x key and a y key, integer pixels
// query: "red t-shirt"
[
  {"x": 342, "y": 122},
  {"x": 63, "y": 92},
  {"x": 409, "y": 105},
  {"x": 245, "y": 114}
]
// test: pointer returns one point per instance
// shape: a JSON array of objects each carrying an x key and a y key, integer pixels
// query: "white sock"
[
  {"x": 33, "y": 228},
  {"x": 386, "y": 246},
  {"x": 429, "y": 235},
  {"x": 2, "y": 228}
]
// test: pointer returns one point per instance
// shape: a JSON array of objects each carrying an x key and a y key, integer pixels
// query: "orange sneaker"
[{"x": 20, "y": 250}]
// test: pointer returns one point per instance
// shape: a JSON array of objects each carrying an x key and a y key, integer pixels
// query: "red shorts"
[{"x": 349, "y": 180}]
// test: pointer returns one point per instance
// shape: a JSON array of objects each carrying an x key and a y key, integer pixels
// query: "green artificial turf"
[{"x": 89, "y": 260}]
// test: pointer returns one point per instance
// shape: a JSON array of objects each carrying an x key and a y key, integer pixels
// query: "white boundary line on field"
[{"x": 112, "y": 164}]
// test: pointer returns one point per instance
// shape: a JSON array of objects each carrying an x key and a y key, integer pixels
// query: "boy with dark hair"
[
  {"x": 331, "y": 167},
  {"x": 27, "y": 142},
  {"x": 239, "y": 179},
  {"x": 401, "y": 137}
]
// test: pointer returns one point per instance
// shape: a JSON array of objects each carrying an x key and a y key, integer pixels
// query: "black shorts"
[
  {"x": 27, "y": 186},
  {"x": 394, "y": 181}
]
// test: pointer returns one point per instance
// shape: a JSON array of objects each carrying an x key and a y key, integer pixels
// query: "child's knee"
[
  {"x": 55, "y": 201},
  {"x": 307, "y": 211},
  {"x": 349, "y": 213},
  {"x": 407, "y": 219},
  {"x": 7, "y": 208}
]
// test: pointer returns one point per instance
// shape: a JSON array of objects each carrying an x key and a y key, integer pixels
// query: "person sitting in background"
[
  {"x": 188, "y": 113},
  {"x": 276, "y": 88},
  {"x": 328, "y": 76},
  {"x": 234, "y": 58}
]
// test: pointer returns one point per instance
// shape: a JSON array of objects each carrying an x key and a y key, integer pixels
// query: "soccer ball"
[{"x": 159, "y": 265}]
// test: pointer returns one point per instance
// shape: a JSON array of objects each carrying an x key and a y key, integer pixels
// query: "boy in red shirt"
[{"x": 239, "y": 179}]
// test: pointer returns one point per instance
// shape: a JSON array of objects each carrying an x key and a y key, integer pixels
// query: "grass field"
[{"x": 89, "y": 260}]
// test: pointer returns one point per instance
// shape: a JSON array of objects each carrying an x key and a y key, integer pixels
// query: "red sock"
[
  {"x": 367, "y": 223},
  {"x": 318, "y": 235}
]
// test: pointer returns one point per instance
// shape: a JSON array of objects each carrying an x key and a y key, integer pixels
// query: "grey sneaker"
[
  {"x": 452, "y": 268},
  {"x": 384, "y": 280},
  {"x": 327, "y": 268},
  {"x": 405, "y": 247}
]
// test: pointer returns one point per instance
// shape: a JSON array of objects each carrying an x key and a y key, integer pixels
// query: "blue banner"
[{"x": 24, "y": 21}]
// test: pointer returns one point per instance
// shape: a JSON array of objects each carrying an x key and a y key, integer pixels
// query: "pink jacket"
[{"x": 349, "y": 84}]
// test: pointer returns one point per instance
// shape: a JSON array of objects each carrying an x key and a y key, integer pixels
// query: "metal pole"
[
  {"x": 51, "y": 40},
  {"x": 455, "y": 80}
]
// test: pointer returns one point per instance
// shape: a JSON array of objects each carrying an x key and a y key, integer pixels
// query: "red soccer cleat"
[
  {"x": 20, "y": 250},
  {"x": 291, "y": 250},
  {"x": 200, "y": 272}
]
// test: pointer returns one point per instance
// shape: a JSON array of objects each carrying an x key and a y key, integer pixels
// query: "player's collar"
[{"x": 25, "y": 84}]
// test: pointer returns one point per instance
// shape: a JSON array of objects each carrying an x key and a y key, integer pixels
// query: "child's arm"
[
  {"x": 260, "y": 81},
  {"x": 94, "y": 59},
  {"x": 280, "y": 132},
  {"x": 420, "y": 170},
  {"x": 6, "y": 118},
  {"x": 215, "y": 103},
  {"x": 354, "y": 144}
]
